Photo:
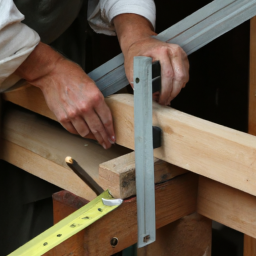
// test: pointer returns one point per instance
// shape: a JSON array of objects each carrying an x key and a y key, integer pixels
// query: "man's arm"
[
  {"x": 135, "y": 37},
  {"x": 71, "y": 95}
]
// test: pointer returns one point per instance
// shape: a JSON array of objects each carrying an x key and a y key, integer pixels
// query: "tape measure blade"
[{"x": 67, "y": 227}]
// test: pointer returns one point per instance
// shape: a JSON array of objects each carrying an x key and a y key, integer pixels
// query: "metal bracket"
[{"x": 144, "y": 160}]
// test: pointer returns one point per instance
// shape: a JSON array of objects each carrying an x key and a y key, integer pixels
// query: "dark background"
[{"x": 217, "y": 90}]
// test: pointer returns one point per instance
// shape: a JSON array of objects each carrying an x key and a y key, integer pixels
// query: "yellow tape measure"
[{"x": 68, "y": 227}]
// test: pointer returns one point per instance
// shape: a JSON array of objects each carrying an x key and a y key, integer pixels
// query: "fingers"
[
  {"x": 105, "y": 116},
  {"x": 98, "y": 130},
  {"x": 69, "y": 127},
  {"x": 175, "y": 74},
  {"x": 80, "y": 125},
  {"x": 167, "y": 77}
]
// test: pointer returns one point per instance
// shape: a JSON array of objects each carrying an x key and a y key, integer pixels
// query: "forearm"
[
  {"x": 131, "y": 28},
  {"x": 39, "y": 63},
  {"x": 135, "y": 37}
]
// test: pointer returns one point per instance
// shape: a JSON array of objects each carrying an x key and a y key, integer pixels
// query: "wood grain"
[
  {"x": 249, "y": 242},
  {"x": 226, "y": 205},
  {"x": 188, "y": 236},
  {"x": 249, "y": 246},
  {"x": 174, "y": 199},
  {"x": 44, "y": 169},
  {"x": 121, "y": 171},
  {"x": 39, "y": 146},
  {"x": 208, "y": 149}
]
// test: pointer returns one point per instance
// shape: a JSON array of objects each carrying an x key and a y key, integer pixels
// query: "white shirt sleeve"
[
  {"x": 17, "y": 41},
  {"x": 101, "y": 12}
]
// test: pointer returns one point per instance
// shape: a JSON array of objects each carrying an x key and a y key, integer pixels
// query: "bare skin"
[
  {"x": 135, "y": 37},
  {"x": 75, "y": 99}
]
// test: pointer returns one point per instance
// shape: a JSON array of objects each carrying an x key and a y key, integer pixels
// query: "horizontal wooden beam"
[
  {"x": 226, "y": 205},
  {"x": 194, "y": 144},
  {"x": 39, "y": 145},
  {"x": 121, "y": 171},
  {"x": 44, "y": 169},
  {"x": 174, "y": 199}
]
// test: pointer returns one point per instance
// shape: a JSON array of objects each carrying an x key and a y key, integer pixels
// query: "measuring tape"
[{"x": 75, "y": 222}]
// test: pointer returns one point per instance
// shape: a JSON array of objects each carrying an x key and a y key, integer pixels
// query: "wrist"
[
  {"x": 132, "y": 28},
  {"x": 39, "y": 63}
]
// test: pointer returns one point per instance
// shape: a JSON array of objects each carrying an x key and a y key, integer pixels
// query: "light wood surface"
[
  {"x": 51, "y": 141},
  {"x": 188, "y": 236},
  {"x": 249, "y": 242},
  {"x": 45, "y": 169},
  {"x": 249, "y": 246},
  {"x": 122, "y": 170},
  {"x": 208, "y": 149},
  {"x": 174, "y": 199},
  {"x": 39, "y": 145},
  {"x": 226, "y": 205}
]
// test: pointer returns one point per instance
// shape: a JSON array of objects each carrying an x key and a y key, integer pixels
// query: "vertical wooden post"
[
  {"x": 188, "y": 236},
  {"x": 249, "y": 242}
]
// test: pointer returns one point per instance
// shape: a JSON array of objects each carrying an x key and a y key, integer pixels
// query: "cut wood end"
[{"x": 69, "y": 160}]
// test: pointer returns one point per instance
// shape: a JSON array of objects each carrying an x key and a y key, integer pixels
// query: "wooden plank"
[
  {"x": 51, "y": 141},
  {"x": 249, "y": 246},
  {"x": 194, "y": 144},
  {"x": 44, "y": 169},
  {"x": 35, "y": 139},
  {"x": 174, "y": 199},
  {"x": 122, "y": 170},
  {"x": 249, "y": 242},
  {"x": 226, "y": 205},
  {"x": 188, "y": 236}
]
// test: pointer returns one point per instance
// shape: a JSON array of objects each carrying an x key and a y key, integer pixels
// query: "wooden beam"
[
  {"x": 121, "y": 171},
  {"x": 249, "y": 246},
  {"x": 194, "y": 144},
  {"x": 188, "y": 236},
  {"x": 249, "y": 242},
  {"x": 39, "y": 146},
  {"x": 44, "y": 169},
  {"x": 226, "y": 205},
  {"x": 174, "y": 199}
]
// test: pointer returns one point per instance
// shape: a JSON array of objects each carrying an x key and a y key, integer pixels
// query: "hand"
[
  {"x": 71, "y": 95},
  {"x": 174, "y": 66},
  {"x": 135, "y": 37}
]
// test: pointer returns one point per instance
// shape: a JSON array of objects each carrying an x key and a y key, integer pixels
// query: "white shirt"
[{"x": 17, "y": 40}]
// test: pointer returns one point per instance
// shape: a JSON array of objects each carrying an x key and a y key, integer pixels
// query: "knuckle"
[
  {"x": 72, "y": 113},
  {"x": 84, "y": 107},
  {"x": 108, "y": 122},
  {"x": 177, "y": 50},
  {"x": 63, "y": 118},
  {"x": 169, "y": 74},
  {"x": 181, "y": 77},
  {"x": 97, "y": 98},
  {"x": 163, "y": 49}
]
